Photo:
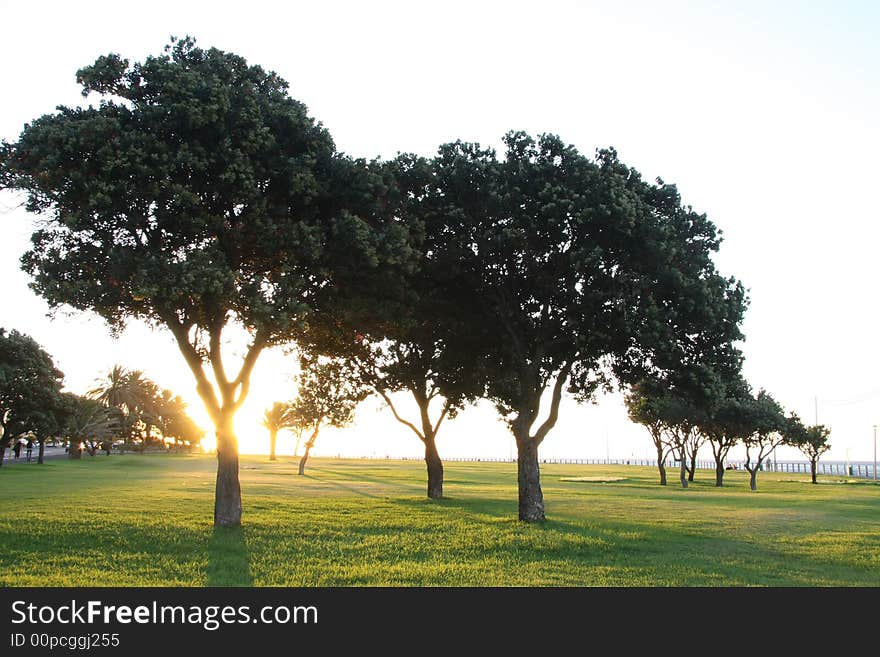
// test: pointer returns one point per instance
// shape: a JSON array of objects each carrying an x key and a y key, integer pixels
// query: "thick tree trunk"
[
  {"x": 531, "y": 497},
  {"x": 813, "y": 468},
  {"x": 661, "y": 466},
  {"x": 308, "y": 448},
  {"x": 2, "y": 453},
  {"x": 75, "y": 450},
  {"x": 682, "y": 474},
  {"x": 435, "y": 468},
  {"x": 719, "y": 473},
  {"x": 753, "y": 479},
  {"x": 692, "y": 467},
  {"x": 227, "y": 496},
  {"x": 41, "y": 451},
  {"x": 273, "y": 438}
]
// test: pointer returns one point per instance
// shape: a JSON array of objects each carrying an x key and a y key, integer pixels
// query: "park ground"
[{"x": 145, "y": 520}]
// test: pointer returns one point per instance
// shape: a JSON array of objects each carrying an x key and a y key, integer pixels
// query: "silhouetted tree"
[
  {"x": 198, "y": 196},
  {"x": 327, "y": 394},
  {"x": 581, "y": 270}
]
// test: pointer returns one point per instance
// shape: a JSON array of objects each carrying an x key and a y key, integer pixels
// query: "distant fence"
[{"x": 860, "y": 470}]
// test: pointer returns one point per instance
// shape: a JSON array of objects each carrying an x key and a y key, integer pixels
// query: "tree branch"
[
  {"x": 191, "y": 355},
  {"x": 550, "y": 422},
  {"x": 443, "y": 413},
  {"x": 215, "y": 354},
  {"x": 396, "y": 416},
  {"x": 247, "y": 367}
]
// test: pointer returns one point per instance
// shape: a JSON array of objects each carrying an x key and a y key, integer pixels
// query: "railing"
[{"x": 859, "y": 470}]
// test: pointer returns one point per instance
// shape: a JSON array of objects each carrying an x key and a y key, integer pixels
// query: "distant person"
[
  {"x": 17, "y": 449},
  {"x": 29, "y": 449}
]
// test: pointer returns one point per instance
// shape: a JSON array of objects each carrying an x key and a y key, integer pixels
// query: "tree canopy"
[
  {"x": 198, "y": 194},
  {"x": 30, "y": 388},
  {"x": 584, "y": 272}
]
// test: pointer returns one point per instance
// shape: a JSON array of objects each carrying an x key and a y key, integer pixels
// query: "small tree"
[
  {"x": 766, "y": 422},
  {"x": 811, "y": 440},
  {"x": 726, "y": 421},
  {"x": 279, "y": 416},
  {"x": 88, "y": 421},
  {"x": 645, "y": 406},
  {"x": 327, "y": 394}
]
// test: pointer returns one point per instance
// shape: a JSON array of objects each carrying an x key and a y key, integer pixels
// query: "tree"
[
  {"x": 276, "y": 418},
  {"x": 88, "y": 421},
  {"x": 173, "y": 421},
  {"x": 327, "y": 394},
  {"x": 645, "y": 406},
  {"x": 726, "y": 421},
  {"x": 135, "y": 396},
  {"x": 811, "y": 440},
  {"x": 30, "y": 389},
  {"x": 406, "y": 335},
  {"x": 582, "y": 270},
  {"x": 201, "y": 198},
  {"x": 766, "y": 422}
]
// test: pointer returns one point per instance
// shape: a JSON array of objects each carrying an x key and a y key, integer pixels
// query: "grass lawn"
[{"x": 145, "y": 520}]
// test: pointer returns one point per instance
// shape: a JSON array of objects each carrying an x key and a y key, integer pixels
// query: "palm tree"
[
  {"x": 275, "y": 419},
  {"x": 88, "y": 420},
  {"x": 134, "y": 395}
]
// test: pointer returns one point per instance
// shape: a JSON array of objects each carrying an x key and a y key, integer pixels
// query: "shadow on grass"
[{"x": 228, "y": 558}]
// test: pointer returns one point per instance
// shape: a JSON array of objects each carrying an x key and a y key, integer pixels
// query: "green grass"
[{"x": 141, "y": 520}]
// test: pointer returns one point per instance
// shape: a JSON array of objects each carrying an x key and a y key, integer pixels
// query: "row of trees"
[
  {"x": 200, "y": 195},
  {"x": 124, "y": 406},
  {"x": 723, "y": 414}
]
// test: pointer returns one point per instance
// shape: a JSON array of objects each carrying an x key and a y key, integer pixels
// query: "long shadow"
[
  {"x": 360, "y": 476},
  {"x": 228, "y": 558}
]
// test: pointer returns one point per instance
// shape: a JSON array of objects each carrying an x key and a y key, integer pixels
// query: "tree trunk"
[
  {"x": 682, "y": 474},
  {"x": 719, "y": 472},
  {"x": 435, "y": 468},
  {"x": 2, "y": 453},
  {"x": 309, "y": 444},
  {"x": 813, "y": 468},
  {"x": 273, "y": 438},
  {"x": 75, "y": 450},
  {"x": 227, "y": 496},
  {"x": 531, "y": 497},
  {"x": 41, "y": 450},
  {"x": 693, "y": 466},
  {"x": 753, "y": 479},
  {"x": 661, "y": 466}
]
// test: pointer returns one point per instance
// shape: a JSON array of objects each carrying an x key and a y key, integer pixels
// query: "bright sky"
[{"x": 764, "y": 114}]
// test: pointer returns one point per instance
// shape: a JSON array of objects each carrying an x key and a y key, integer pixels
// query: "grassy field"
[{"x": 141, "y": 520}]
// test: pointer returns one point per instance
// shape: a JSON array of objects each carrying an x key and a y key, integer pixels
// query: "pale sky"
[{"x": 764, "y": 114}]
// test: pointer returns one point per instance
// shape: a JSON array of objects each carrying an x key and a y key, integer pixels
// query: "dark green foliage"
[
  {"x": 30, "y": 389},
  {"x": 582, "y": 271},
  {"x": 811, "y": 440},
  {"x": 198, "y": 194}
]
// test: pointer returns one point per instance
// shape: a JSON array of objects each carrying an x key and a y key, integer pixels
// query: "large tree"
[
  {"x": 582, "y": 269},
  {"x": 198, "y": 196},
  {"x": 30, "y": 389}
]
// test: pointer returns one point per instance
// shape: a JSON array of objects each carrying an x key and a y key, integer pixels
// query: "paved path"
[{"x": 50, "y": 453}]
